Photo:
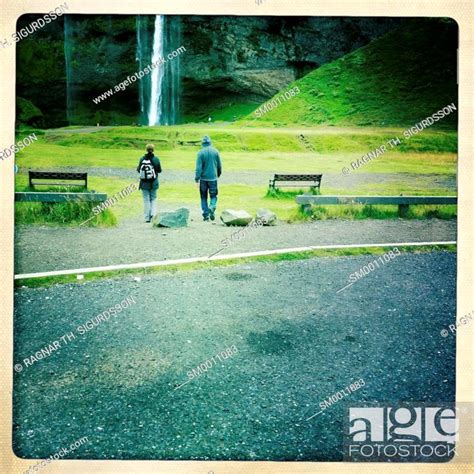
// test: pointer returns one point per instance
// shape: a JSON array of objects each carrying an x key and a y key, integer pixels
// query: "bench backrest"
[
  {"x": 298, "y": 177},
  {"x": 56, "y": 175}
]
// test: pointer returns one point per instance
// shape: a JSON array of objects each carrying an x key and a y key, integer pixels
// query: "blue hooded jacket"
[{"x": 208, "y": 162}]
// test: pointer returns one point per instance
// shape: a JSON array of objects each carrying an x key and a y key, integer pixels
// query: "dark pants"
[{"x": 208, "y": 188}]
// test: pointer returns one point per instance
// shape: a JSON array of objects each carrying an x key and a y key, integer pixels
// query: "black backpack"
[{"x": 147, "y": 170}]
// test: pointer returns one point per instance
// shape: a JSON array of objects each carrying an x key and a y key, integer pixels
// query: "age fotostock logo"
[{"x": 407, "y": 433}]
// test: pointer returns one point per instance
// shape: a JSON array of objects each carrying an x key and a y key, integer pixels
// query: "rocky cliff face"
[
  {"x": 228, "y": 60},
  {"x": 242, "y": 59},
  {"x": 41, "y": 75}
]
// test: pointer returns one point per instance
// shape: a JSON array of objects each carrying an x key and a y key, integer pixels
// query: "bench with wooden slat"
[
  {"x": 403, "y": 202},
  {"x": 64, "y": 178},
  {"x": 313, "y": 180}
]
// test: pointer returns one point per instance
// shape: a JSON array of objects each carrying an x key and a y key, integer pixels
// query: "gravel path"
[
  {"x": 47, "y": 248},
  {"x": 297, "y": 341},
  {"x": 261, "y": 178},
  {"x": 72, "y": 131}
]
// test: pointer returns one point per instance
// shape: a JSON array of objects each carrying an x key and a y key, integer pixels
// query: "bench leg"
[
  {"x": 306, "y": 208},
  {"x": 403, "y": 210}
]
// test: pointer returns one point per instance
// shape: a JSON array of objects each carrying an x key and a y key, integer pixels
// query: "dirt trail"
[{"x": 260, "y": 178}]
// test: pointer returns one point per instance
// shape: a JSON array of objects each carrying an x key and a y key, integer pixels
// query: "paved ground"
[
  {"x": 46, "y": 248},
  {"x": 298, "y": 342}
]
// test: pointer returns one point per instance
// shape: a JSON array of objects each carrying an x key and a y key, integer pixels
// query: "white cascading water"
[{"x": 156, "y": 102}]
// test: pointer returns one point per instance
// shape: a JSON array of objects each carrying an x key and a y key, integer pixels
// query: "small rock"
[
  {"x": 173, "y": 219},
  {"x": 232, "y": 217},
  {"x": 266, "y": 216}
]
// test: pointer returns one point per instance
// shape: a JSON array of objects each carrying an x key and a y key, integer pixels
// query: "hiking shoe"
[
  {"x": 212, "y": 214},
  {"x": 205, "y": 219}
]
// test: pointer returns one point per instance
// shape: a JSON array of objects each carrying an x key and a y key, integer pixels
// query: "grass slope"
[
  {"x": 396, "y": 80},
  {"x": 184, "y": 139}
]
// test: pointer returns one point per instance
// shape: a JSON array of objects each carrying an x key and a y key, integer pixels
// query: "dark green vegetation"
[
  {"x": 65, "y": 213},
  {"x": 358, "y": 211},
  {"x": 43, "y": 213},
  {"x": 278, "y": 193},
  {"x": 395, "y": 80},
  {"x": 398, "y": 79},
  {"x": 231, "y": 63}
]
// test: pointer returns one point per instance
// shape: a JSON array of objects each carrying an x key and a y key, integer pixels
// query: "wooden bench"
[
  {"x": 313, "y": 179},
  {"x": 56, "y": 175},
  {"x": 60, "y": 197},
  {"x": 403, "y": 202}
]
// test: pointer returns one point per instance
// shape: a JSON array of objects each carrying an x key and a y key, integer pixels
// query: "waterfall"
[
  {"x": 90, "y": 59},
  {"x": 155, "y": 112},
  {"x": 159, "y": 90}
]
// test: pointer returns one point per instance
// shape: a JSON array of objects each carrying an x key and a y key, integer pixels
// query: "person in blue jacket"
[{"x": 208, "y": 170}]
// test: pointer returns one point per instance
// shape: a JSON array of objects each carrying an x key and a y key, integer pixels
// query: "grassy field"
[{"x": 267, "y": 150}]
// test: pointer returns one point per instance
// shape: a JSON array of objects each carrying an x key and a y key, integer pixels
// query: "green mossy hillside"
[{"x": 397, "y": 80}]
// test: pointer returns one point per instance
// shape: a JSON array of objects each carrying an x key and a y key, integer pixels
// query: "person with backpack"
[
  {"x": 149, "y": 166},
  {"x": 208, "y": 169}
]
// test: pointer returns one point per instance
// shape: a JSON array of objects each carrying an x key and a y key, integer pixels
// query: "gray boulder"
[
  {"x": 266, "y": 216},
  {"x": 232, "y": 217},
  {"x": 172, "y": 219}
]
